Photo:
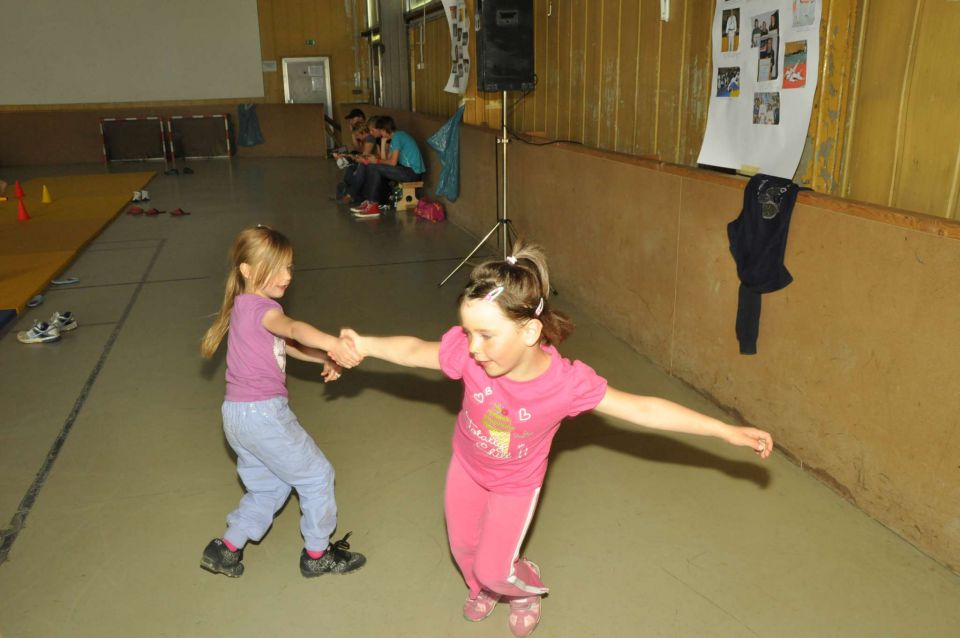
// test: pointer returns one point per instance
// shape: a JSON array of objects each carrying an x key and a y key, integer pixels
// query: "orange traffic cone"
[
  {"x": 45, "y": 198},
  {"x": 18, "y": 190},
  {"x": 22, "y": 214}
]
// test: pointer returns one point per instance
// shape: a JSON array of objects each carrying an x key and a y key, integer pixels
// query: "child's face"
[
  {"x": 275, "y": 286},
  {"x": 496, "y": 342}
]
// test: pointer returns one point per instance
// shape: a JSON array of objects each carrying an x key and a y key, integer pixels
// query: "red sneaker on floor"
[{"x": 371, "y": 210}]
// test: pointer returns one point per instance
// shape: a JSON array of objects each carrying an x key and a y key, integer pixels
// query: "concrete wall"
[{"x": 857, "y": 358}]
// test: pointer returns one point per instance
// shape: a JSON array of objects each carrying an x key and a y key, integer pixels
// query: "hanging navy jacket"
[{"x": 758, "y": 241}]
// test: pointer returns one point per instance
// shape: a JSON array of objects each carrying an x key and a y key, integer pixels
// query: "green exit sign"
[{"x": 310, "y": 42}]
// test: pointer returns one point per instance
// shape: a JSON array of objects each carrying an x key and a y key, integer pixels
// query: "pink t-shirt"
[
  {"x": 505, "y": 427},
  {"x": 256, "y": 359}
]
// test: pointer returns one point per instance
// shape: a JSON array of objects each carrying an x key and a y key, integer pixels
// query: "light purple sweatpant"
[
  {"x": 486, "y": 530},
  {"x": 275, "y": 454}
]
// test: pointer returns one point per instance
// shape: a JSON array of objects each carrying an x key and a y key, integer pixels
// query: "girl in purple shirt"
[
  {"x": 274, "y": 453},
  {"x": 517, "y": 390}
]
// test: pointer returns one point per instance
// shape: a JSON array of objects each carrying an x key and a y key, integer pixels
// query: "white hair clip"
[
  {"x": 512, "y": 260},
  {"x": 493, "y": 294},
  {"x": 536, "y": 313}
]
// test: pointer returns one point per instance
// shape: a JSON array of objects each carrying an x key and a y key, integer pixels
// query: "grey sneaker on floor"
[
  {"x": 336, "y": 560},
  {"x": 64, "y": 321},
  {"x": 217, "y": 558},
  {"x": 41, "y": 332}
]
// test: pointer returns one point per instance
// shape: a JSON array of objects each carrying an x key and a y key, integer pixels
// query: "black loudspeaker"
[{"x": 505, "y": 45}]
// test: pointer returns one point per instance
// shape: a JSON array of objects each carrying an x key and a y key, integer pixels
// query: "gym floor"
[{"x": 112, "y": 451}]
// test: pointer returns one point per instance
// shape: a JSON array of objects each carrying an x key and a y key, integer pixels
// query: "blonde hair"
[
  {"x": 266, "y": 252},
  {"x": 526, "y": 285}
]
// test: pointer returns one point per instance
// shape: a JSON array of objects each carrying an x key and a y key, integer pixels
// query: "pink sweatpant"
[{"x": 486, "y": 531}]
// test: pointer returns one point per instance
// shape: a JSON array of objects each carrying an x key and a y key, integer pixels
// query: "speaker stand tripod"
[{"x": 503, "y": 224}]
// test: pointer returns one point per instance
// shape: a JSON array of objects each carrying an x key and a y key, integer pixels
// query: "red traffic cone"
[
  {"x": 18, "y": 190},
  {"x": 22, "y": 214}
]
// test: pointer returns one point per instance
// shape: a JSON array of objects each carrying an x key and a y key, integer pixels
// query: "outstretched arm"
[
  {"x": 303, "y": 333},
  {"x": 660, "y": 414},
  {"x": 404, "y": 351}
]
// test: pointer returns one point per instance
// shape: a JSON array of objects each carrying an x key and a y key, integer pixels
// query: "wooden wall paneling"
[
  {"x": 474, "y": 100},
  {"x": 414, "y": 76},
  {"x": 953, "y": 204},
  {"x": 628, "y": 53},
  {"x": 437, "y": 49},
  {"x": 286, "y": 25},
  {"x": 572, "y": 38},
  {"x": 671, "y": 69},
  {"x": 552, "y": 83},
  {"x": 696, "y": 85},
  {"x": 648, "y": 73},
  {"x": 902, "y": 111},
  {"x": 592, "y": 73},
  {"x": 447, "y": 102},
  {"x": 869, "y": 170},
  {"x": 822, "y": 169},
  {"x": 292, "y": 28},
  {"x": 535, "y": 101},
  {"x": 931, "y": 132},
  {"x": 610, "y": 74},
  {"x": 272, "y": 82},
  {"x": 312, "y": 27}
]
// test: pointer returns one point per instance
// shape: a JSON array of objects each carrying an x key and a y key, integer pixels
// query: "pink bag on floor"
[{"x": 430, "y": 210}]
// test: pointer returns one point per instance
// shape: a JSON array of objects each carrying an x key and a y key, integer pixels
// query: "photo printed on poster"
[
  {"x": 765, "y": 60},
  {"x": 459, "y": 23}
]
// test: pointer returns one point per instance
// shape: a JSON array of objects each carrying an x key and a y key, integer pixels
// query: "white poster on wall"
[
  {"x": 765, "y": 59},
  {"x": 459, "y": 22}
]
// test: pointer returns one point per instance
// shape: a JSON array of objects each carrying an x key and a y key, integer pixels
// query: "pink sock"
[
  {"x": 230, "y": 545},
  {"x": 316, "y": 555}
]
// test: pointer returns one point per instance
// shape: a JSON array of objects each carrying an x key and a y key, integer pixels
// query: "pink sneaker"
[
  {"x": 525, "y": 611},
  {"x": 476, "y": 609}
]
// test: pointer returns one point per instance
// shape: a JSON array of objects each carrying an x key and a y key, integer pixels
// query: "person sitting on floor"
[
  {"x": 399, "y": 160},
  {"x": 366, "y": 145}
]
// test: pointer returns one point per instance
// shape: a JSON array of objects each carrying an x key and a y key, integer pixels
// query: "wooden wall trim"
[{"x": 919, "y": 222}]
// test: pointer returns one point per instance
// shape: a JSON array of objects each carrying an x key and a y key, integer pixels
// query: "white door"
[{"x": 307, "y": 81}]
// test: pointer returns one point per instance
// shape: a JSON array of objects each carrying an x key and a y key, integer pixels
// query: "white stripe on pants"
[{"x": 275, "y": 454}]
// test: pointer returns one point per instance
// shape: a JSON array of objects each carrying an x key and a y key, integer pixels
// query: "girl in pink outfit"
[{"x": 517, "y": 390}]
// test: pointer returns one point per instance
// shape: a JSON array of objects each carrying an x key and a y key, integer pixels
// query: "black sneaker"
[
  {"x": 217, "y": 558},
  {"x": 336, "y": 560}
]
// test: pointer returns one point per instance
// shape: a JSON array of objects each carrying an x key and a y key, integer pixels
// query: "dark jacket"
[{"x": 758, "y": 241}]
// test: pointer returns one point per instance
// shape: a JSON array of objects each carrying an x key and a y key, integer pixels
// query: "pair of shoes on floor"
[
  {"x": 366, "y": 210},
  {"x": 218, "y": 559},
  {"x": 524, "y": 611},
  {"x": 150, "y": 212},
  {"x": 140, "y": 196},
  {"x": 48, "y": 331}
]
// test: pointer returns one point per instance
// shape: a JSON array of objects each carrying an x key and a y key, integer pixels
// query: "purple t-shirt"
[
  {"x": 505, "y": 427},
  {"x": 256, "y": 359}
]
